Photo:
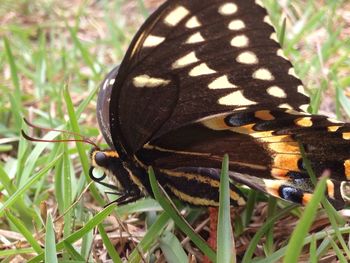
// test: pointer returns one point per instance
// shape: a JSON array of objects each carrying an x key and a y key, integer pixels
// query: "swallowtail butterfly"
[{"x": 205, "y": 78}]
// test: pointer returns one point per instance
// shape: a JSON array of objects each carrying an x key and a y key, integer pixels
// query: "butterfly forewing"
[{"x": 193, "y": 59}]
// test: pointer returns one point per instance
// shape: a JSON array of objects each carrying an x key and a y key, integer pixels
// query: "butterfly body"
[{"x": 200, "y": 80}]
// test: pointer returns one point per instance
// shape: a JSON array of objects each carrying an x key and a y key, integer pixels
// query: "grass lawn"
[{"x": 53, "y": 56}]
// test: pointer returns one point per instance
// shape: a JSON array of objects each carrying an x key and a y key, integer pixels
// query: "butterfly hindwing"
[{"x": 264, "y": 158}]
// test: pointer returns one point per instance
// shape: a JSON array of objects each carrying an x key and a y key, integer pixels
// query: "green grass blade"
[
  {"x": 263, "y": 229},
  {"x": 31, "y": 162},
  {"x": 338, "y": 252},
  {"x": 13, "y": 198},
  {"x": 14, "y": 71},
  {"x": 108, "y": 244},
  {"x": 249, "y": 208},
  {"x": 225, "y": 247},
  {"x": 277, "y": 255},
  {"x": 150, "y": 237},
  {"x": 80, "y": 146},
  {"x": 142, "y": 205},
  {"x": 172, "y": 249},
  {"x": 71, "y": 250},
  {"x": 296, "y": 244},
  {"x": 313, "y": 254},
  {"x": 6, "y": 182},
  {"x": 17, "y": 251},
  {"x": 170, "y": 208},
  {"x": 269, "y": 244},
  {"x": 97, "y": 219},
  {"x": 67, "y": 192},
  {"x": 84, "y": 52},
  {"x": 24, "y": 231},
  {"x": 50, "y": 243}
]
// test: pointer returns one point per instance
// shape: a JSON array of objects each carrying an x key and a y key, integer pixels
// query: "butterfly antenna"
[{"x": 29, "y": 138}]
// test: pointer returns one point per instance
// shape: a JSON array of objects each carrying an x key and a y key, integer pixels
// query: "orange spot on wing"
[
  {"x": 304, "y": 122},
  {"x": 347, "y": 169},
  {"x": 286, "y": 161},
  {"x": 284, "y": 147},
  {"x": 264, "y": 115},
  {"x": 333, "y": 128},
  {"x": 279, "y": 173},
  {"x": 330, "y": 189},
  {"x": 346, "y": 135},
  {"x": 306, "y": 198}
]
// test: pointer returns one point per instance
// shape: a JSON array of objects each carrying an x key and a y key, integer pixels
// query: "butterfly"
[{"x": 204, "y": 78}]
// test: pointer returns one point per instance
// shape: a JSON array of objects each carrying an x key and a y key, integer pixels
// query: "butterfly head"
[{"x": 107, "y": 164}]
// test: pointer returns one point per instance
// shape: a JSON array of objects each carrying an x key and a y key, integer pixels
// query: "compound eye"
[{"x": 101, "y": 159}]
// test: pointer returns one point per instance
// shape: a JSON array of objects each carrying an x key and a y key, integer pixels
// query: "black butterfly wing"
[
  {"x": 262, "y": 156},
  {"x": 103, "y": 105},
  {"x": 193, "y": 59}
]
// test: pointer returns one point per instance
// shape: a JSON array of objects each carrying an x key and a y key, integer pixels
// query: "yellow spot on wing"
[
  {"x": 281, "y": 54},
  {"x": 217, "y": 123},
  {"x": 291, "y": 72},
  {"x": 227, "y": 9},
  {"x": 193, "y": 22},
  {"x": 267, "y": 20},
  {"x": 333, "y": 128},
  {"x": 152, "y": 41},
  {"x": 201, "y": 69},
  {"x": 301, "y": 90},
  {"x": 273, "y": 37},
  {"x": 304, "y": 107},
  {"x": 285, "y": 106},
  {"x": 247, "y": 57},
  {"x": 221, "y": 83},
  {"x": 346, "y": 135},
  {"x": 185, "y": 60},
  {"x": 240, "y": 41},
  {"x": 236, "y": 98},
  {"x": 304, "y": 122},
  {"x": 142, "y": 81},
  {"x": 263, "y": 74},
  {"x": 276, "y": 92},
  {"x": 195, "y": 38},
  {"x": 175, "y": 16},
  {"x": 294, "y": 112},
  {"x": 236, "y": 25},
  {"x": 192, "y": 199}
]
